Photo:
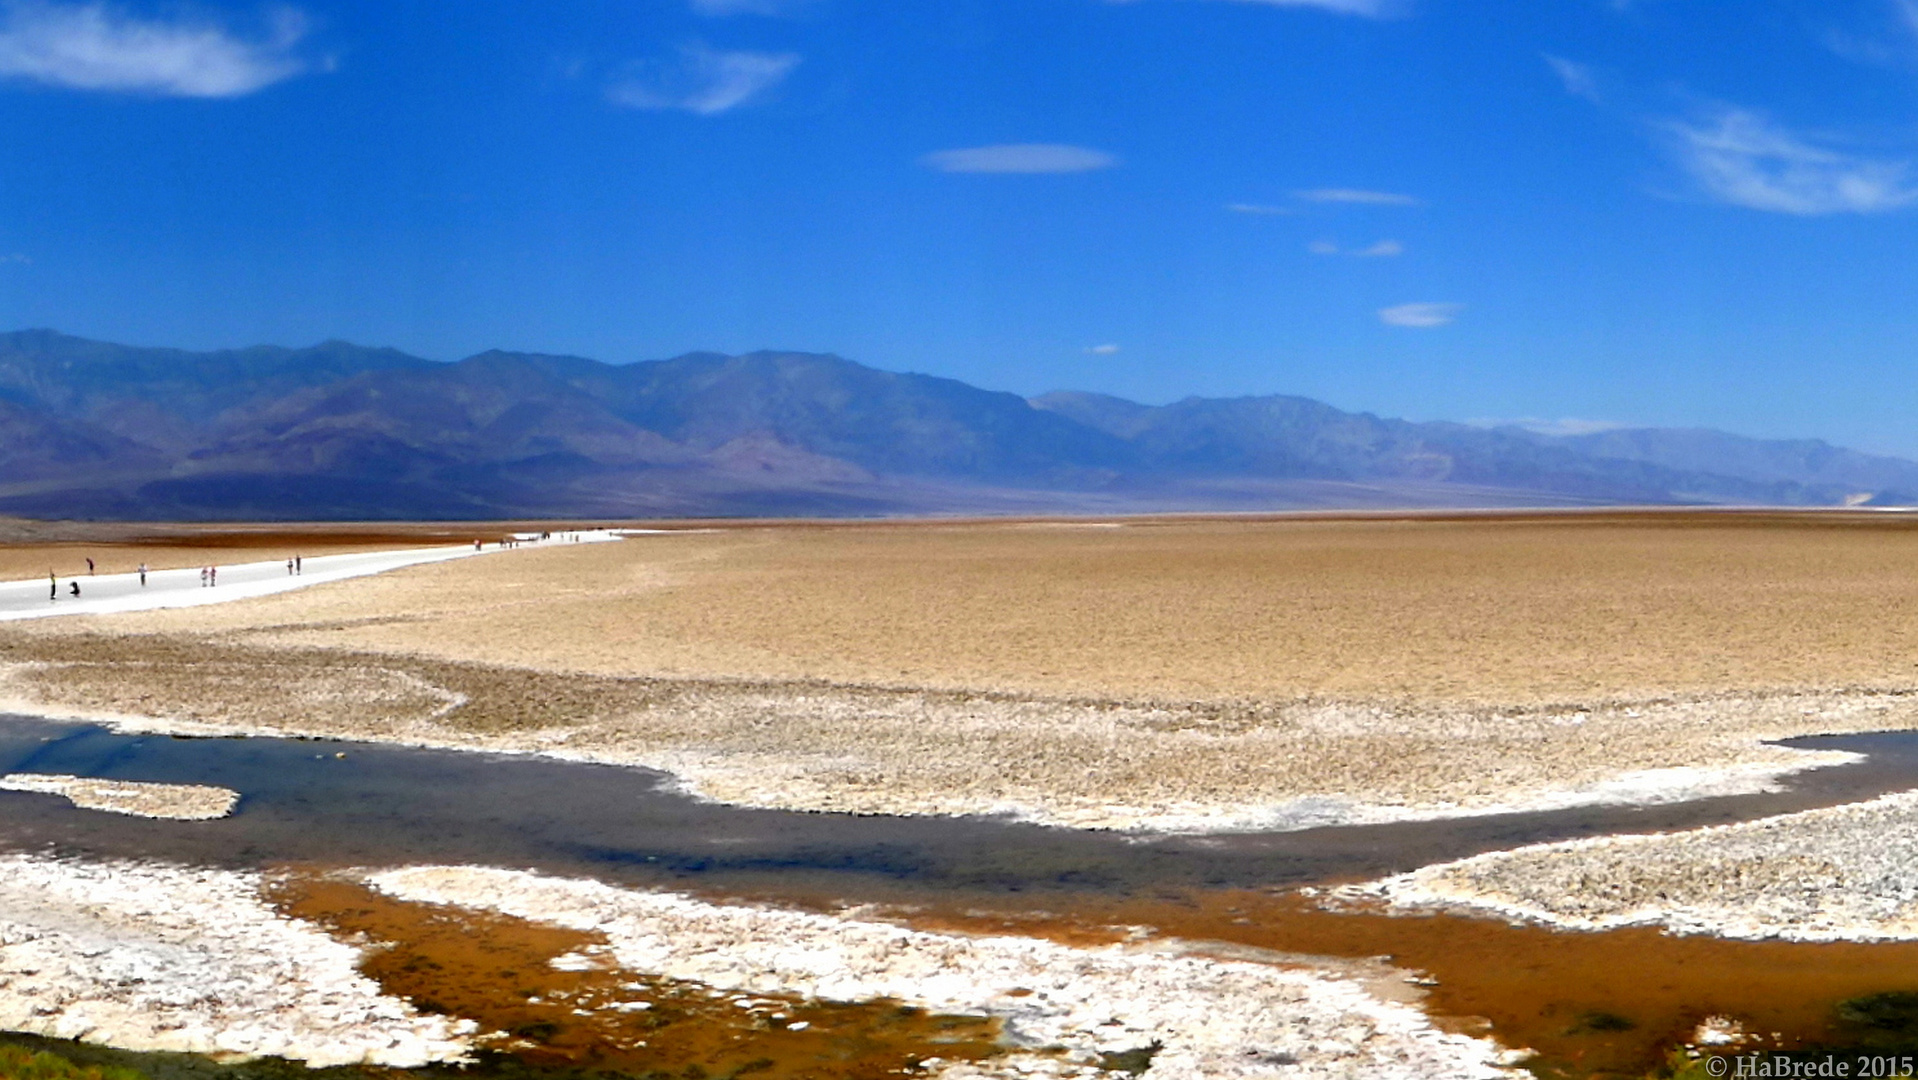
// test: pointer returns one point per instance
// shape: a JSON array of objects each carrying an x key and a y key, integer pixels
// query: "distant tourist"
[
  {"x": 143, "y": 575},
  {"x": 289, "y": 568},
  {"x": 89, "y": 567},
  {"x": 299, "y": 564},
  {"x": 53, "y": 586},
  {"x": 203, "y": 571},
  {"x": 212, "y": 575},
  {"x": 74, "y": 587}
]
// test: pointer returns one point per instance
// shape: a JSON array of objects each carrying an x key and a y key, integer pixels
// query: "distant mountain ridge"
[{"x": 96, "y": 430}]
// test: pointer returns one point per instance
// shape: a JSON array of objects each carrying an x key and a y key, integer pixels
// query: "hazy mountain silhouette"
[{"x": 90, "y": 429}]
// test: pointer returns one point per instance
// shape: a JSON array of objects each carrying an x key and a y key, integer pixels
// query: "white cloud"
[
  {"x": 1026, "y": 158},
  {"x": 1322, "y": 247},
  {"x": 95, "y": 46},
  {"x": 1358, "y": 196},
  {"x": 1421, "y": 316},
  {"x": 702, "y": 80},
  {"x": 1104, "y": 350},
  {"x": 1384, "y": 249},
  {"x": 1743, "y": 159},
  {"x": 17, "y": 259},
  {"x": 1258, "y": 208},
  {"x": 1578, "y": 79}
]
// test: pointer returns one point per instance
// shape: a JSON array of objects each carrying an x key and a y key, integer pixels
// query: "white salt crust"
[
  {"x": 153, "y": 957},
  {"x": 180, "y": 802},
  {"x": 1844, "y": 873},
  {"x": 1214, "y": 1018}
]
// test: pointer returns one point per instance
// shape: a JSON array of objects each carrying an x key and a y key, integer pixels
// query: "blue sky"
[{"x": 1666, "y": 212}]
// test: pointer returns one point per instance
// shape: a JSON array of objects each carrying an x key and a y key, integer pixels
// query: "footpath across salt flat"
[{"x": 109, "y": 594}]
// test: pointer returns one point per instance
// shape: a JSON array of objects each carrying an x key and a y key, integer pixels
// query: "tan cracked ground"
[{"x": 1168, "y": 673}]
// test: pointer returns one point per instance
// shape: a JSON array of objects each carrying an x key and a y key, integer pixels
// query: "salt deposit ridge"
[
  {"x": 156, "y": 957},
  {"x": 109, "y": 594},
  {"x": 152, "y": 956},
  {"x": 1209, "y": 1018},
  {"x": 1844, "y": 873}
]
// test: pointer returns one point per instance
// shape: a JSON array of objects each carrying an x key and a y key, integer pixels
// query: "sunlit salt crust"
[
  {"x": 180, "y": 802},
  {"x": 1845, "y": 873},
  {"x": 114, "y": 594},
  {"x": 797, "y": 778},
  {"x": 1214, "y": 1018},
  {"x": 154, "y": 957}
]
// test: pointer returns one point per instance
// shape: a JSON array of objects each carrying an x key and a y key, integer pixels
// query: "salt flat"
[
  {"x": 114, "y": 594},
  {"x": 1183, "y": 674}
]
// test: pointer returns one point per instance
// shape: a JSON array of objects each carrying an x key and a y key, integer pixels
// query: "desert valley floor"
[{"x": 1368, "y": 795}]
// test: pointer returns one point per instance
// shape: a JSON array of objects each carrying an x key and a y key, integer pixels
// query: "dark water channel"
[
  {"x": 336, "y": 803},
  {"x": 381, "y": 805}
]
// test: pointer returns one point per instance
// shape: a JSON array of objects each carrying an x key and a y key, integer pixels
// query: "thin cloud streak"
[
  {"x": 1740, "y": 158},
  {"x": 1021, "y": 159},
  {"x": 102, "y": 48},
  {"x": 703, "y": 81},
  {"x": 1907, "y": 12},
  {"x": 1420, "y": 316},
  {"x": 1259, "y": 209},
  {"x": 1357, "y": 196},
  {"x": 1384, "y": 249},
  {"x": 1578, "y": 79},
  {"x": 1370, "y": 9},
  {"x": 1103, "y": 350}
]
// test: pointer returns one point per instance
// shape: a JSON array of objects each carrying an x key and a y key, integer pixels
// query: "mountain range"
[{"x": 91, "y": 430}]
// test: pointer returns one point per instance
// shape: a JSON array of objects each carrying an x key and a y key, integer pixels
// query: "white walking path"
[{"x": 110, "y": 594}]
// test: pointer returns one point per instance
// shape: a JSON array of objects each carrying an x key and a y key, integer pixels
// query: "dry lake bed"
[{"x": 1418, "y": 796}]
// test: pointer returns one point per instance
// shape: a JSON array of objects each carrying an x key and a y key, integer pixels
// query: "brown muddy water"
[{"x": 1590, "y": 1003}]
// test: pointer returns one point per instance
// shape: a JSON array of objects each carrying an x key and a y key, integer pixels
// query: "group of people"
[
  {"x": 209, "y": 577},
  {"x": 73, "y": 587}
]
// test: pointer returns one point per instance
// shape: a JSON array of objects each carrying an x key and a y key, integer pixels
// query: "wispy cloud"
[
  {"x": 1103, "y": 350},
  {"x": 1021, "y": 158},
  {"x": 702, "y": 80},
  {"x": 1357, "y": 196},
  {"x": 1739, "y": 157},
  {"x": 1420, "y": 316},
  {"x": 1578, "y": 79},
  {"x": 96, "y": 46},
  {"x": 16, "y": 258},
  {"x": 1384, "y": 249},
  {"x": 1882, "y": 46},
  {"x": 1262, "y": 209},
  {"x": 1371, "y": 9}
]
